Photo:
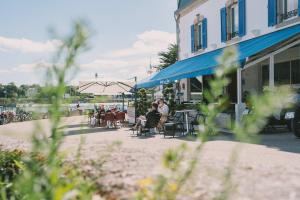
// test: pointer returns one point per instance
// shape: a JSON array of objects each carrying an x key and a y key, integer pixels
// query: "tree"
[
  {"x": 142, "y": 103},
  {"x": 11, "y": 90},
  {"x": 166, "y": 59},
  {"x": 22, "y": 90},
  {"x": 169, "y": 57}
]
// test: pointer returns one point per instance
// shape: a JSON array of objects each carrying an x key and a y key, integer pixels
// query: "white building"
[{"x": 266, "y": 32}]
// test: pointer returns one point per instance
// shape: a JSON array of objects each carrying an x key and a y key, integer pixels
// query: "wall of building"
[{"x": 256, "y": 24}]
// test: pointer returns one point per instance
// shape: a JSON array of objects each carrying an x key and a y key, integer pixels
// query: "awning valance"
[{"x": 206, "y": 63}]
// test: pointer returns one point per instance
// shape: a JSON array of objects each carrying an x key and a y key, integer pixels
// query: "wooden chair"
[
  {"x": 110, "y": 120},
  {"x": 120, "y": 118}
]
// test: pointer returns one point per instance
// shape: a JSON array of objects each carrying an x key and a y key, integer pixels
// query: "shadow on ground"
[
  {"x": 88, "y": 130},
  {"x": 278, "y": 139},
  {"x": 283, "y": 141},
  {"x": 76, "y": 126}
]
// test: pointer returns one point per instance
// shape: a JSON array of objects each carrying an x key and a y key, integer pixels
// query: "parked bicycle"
[{"x": 22, "y": 116}]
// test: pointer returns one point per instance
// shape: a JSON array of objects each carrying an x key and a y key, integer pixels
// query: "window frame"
[
  {"x": 232, "y": 17},
  {"x": 199, "y": 36},
  {"x": 198, "y": 39},
  {"x": 282, "y": 12}
]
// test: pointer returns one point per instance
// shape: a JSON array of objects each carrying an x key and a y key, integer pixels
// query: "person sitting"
[
  {"x": 152, "y": 117},
  {"x": 163, "y": 109},
  {"x": 93, "y": 120},
  {"x": 150, "y": 121}
]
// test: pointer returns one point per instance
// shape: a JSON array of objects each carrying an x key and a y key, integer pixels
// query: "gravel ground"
[{"x": 267, "y": 171}]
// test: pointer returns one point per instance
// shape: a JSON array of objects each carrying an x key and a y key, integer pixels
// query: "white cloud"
[
  {"x": 132, "y": 61},
  {"x": 149, "y": 42},
  {"x": 116, "y": 68},
  {"x": 3, "y": 71},
  {"x": 122, "y": 64},
  {"x": 31, "y": 67},
  {"x": 28, "y": 46}
]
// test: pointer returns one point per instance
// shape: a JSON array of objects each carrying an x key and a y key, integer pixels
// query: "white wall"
[{"x": 256, "y": 21}]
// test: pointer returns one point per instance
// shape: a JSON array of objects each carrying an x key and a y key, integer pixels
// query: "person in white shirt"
[{"x": 163, "y": 109}]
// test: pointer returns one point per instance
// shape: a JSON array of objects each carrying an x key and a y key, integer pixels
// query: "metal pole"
[
  {"x": 238, "y": 106},
  {"x": 239, "y": 85},
  {"x": 123, "y": 102},
  {"x": 271, "y": 72},
  {"x": 135, "y": 98}
]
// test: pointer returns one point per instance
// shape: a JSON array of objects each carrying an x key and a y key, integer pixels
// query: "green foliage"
[
  {"x": 180, "y": 167},
  {"x": 10, "y": 168},
  {"x": 169, "y": 96},
  {"x": 45, "y": 175},
  {"x": 168, "y": 57},
  {"x": 142, "y": 102}
]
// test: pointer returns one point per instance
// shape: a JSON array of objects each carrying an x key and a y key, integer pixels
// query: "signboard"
[
  {"x": 180, "y": 94},
  {"x": 131, "y": 114}
]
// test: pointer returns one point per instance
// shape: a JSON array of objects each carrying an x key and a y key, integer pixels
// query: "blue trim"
[
  {"x": 206, "y": 63},
  {"x": 204, "y": 33},
  {"x": 242, "y": 17},
  {"x": 272, "y": 12},
  {"x": 193, "y": 38},
  {"x": 223, "y": 25},
  {"x": 299, "y": 8}
]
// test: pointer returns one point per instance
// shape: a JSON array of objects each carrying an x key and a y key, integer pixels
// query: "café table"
[{"x": 186, "y": 113}]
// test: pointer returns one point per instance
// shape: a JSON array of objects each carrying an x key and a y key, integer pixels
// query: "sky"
[{"x": 126, "y": 36}]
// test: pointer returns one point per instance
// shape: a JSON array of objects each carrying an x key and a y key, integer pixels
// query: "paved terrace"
[{"x": 270, "y": 170}]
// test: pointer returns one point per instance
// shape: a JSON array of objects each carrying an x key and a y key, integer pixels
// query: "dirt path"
[{"x": 269, "y": 171}]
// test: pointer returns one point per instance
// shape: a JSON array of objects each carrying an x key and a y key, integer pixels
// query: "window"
[
  {"x": 199, "y": 34},
  {"x": 232, "y": 21},
  {"x": 286, "y": 73},
  {"x": 265, "y": 75},
  {"x": 295, "y": 65},
  {"x": 286, "y": 9},
  {"x": 282, "y": 73}
]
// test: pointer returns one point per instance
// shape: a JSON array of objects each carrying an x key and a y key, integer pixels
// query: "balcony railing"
[
  {"x": 288, "y": 15},
  {"x": 232, "y": 35}
]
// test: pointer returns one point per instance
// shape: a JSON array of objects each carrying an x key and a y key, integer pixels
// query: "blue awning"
[{"x": 206, "y": 63}]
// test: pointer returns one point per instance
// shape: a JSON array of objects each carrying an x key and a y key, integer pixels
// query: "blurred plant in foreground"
[
  {"x": 180, "y": 163},
  {"x": 44, "y": 174}
]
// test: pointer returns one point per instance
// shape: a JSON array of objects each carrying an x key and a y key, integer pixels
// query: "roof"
[
  {"x": 183, "y": 3},
  {"x": 206, "y": 63}
]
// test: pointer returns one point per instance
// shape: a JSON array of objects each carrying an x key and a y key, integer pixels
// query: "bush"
[{"x": 10, "y": 168}]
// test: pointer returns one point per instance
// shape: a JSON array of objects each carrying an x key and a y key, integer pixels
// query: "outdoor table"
[{"x": 186, "y": 119}]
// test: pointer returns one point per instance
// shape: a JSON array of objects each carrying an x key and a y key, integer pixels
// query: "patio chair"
[
  {"x": 110, "y": 120},
  {"x": 1, "y": 119},
  {"x": 176, "y": 123},
  {"x": 197, "y": 120},
  {"x": 120, "y": 118}
]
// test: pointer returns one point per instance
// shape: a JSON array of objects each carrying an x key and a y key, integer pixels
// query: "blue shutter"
[
  {"x": 272, "y": 12},
  {"x": 193, "y": 38},
  {"x": 223, "y": 25},
  {"x": 299, "y": 8},
  {"x": 204, "y": 33},
  {"x": 242, "y": 18}
]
